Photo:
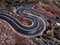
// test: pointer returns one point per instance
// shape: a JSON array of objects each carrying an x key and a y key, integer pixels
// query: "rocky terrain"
[{"x": 9, "y": 37}]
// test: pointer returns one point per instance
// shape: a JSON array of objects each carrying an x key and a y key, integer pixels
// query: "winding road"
[{"x": 37, "y": 27}]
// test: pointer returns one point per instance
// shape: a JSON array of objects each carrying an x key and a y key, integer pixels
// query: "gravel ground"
[{"x": 9, "y": 37}]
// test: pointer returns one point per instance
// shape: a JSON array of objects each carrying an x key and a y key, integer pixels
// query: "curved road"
[{"x": 37, "y": 27}]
